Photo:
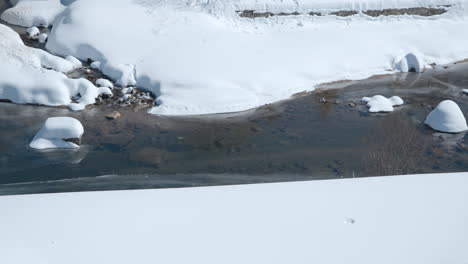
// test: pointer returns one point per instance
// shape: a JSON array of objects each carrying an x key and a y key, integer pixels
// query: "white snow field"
[
  {"x": 201, "y": 57},
  {"x": 379, "y": 103},
  {"x": 386, "y": 220},
  {"x": 27, "y": 13},
  {"x": 55, "y": 132},
  {"x": 33, "y": 76},
  {"x": 447, "y": 117}
]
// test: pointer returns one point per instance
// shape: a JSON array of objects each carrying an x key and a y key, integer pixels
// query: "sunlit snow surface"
[
  {"x": 387, "y": 220},
  {"x": 201, "y": 57}
]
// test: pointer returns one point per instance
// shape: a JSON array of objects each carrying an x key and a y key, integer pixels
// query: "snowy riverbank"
[
  {"x": 405, "y": 220},
  {"x": 201, "y": 57}
]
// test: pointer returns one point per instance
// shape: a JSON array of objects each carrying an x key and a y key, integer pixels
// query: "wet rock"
[
  {"x": 76, "y": 141},
  {"x": 323, "y": 100},
  {"x": 114, "y": 115},
  {"x": 351, "y": 104}
]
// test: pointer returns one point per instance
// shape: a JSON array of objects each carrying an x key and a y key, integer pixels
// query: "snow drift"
[{"x": 57, "y": 132}]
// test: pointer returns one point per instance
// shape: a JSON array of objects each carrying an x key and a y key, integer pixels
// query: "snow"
[
  {"x": 406, "y": 219},
  {"x": 200, "y": 57},
  {"x": 379, "y": 103},
  {"x": 127, "y": 90},
  {"x": 104, "y": 83},
  {"x": 95, "y": 64},
  {"x": 42, "y": 38},
  {"x": 74, "y": 61},
  {"x": 33, "y": 32},
  {"x": 54, "y": 132},
  {"x": 27, "y": 13},
  {"x": 33, "y": 76},
  {"x": 447, "y": 117},
  {"x": 465, "y": 91},
  {"x": 410, "y": 62}
]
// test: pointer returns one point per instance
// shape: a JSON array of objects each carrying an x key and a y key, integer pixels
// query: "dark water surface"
[{"x": 299, "y": 139}]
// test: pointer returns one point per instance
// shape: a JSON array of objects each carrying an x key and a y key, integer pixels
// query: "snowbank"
[
  {"x": 406, "y": 219},
  {"x": 33, "y": 76},
  {"x": 200, "y": 57},
  {"x": 57, "y": 132},
  {"x": 447, "y": 117},
  {"x": 379, "y": 103},
  {"x": 28, "y": 13}
]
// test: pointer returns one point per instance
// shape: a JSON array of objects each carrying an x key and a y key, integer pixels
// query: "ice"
[
  {"x": 379, "y": 103},
  {"x": 447, "y": 117},
  {"x": 56, "y": 131}
]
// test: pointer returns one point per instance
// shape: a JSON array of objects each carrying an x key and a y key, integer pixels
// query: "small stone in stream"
[
  {"x": 351, "y": 104},
  {"x": 323, "y": 100},
  {"x": 88, "y": 71},
  {"x": 114, "y": 115},
  {"x": 42, "y": 38},
  {"x": 76, "y": 141},
  {"x": 180, "y": 138},
  {"x": 445, "y": 67}
]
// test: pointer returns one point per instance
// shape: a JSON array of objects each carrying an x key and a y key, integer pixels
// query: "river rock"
[{"x": 114, "y": 115}]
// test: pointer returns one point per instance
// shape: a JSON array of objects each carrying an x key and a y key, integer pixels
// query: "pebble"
[
  {"x": 323, "y": 100},
  {"x": 113, "y": 115}
]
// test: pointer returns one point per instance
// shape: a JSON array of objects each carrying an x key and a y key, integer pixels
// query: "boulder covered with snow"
[
  {"x": 33, "y": 32},
  {"x": 447, "y": 117},
  {"x": 104, "y": 83},
  {"x": 27, "y": 13},
  {"x": 409, "y": 63},
  {"x": 379, "y": 103},
  {"x": 58, "y": 132}
]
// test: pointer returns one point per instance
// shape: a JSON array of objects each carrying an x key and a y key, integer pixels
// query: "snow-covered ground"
[
  {"x": 404, "y": 219},
  {"x": 33, "y": 76},
  {"x": 201, "y": 57}
]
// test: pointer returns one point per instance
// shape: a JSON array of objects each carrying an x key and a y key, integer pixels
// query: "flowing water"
[{"x": 298, "y": 139}]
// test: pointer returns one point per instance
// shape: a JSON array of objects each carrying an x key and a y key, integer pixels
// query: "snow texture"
[
  {"x": 27, "y": 13},
  {"x": 55, "y": 131},
  {"x": 379, "y": 103},
  {"x": 200, "y": 57},
  {"x": 104, "y": 83},
  {"x": 33, "y": 76},
  {"x": 447, "y": 117},
  {"x": 409, "y": 63},
  {"x": 406, "y": 220}
]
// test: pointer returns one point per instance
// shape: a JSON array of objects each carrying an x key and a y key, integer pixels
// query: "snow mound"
[
  {"x": 33, "y": 32},
  {"x": 33, "y": 76},
  {"x": 201, "y": 57},
  {"x": 42, "y": 38},
  {"x": 409, "y": 63},
  {"x": 104, "y": 83},
  {"x": 56, "y": 133},
  {"x": 379, "y": 103},
  {"x": 28, "y": 13},
  {"x": 447, "y": 117}
]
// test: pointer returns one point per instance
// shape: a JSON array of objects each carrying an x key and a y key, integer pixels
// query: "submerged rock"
[
  {"x": 447, "y": 117},
  {"x": 114, "y": 115}
]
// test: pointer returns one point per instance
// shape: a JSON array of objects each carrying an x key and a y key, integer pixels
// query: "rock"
[
  {"x": 33, "y": 32},
  {"x": 114, "y": 115},
  {"x": 43, "y": 38},
  {"x": 379, "y": 103},
  {"x": 58, "y": 132},
  {"x": 351, "y": 104},
  {"x": 127, "y": 90},
  {"x": 104, "y": 83},
  {"x": 323, "y": 100},
  {"x": 447, "y": 117}
]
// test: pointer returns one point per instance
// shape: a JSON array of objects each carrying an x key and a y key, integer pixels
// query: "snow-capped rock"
[
  {"x": 58, "y": 132},
  {"x": 447, "y": 117},
  {"x": 42, "y": 38},
  {"x": 95, "y": 65},
  {"x": 76, "y": 63},
  {"x": 104, "y": 83},
  {"x": 379, "y": 103},
  {"x": 409, "y": 62},
  {"x": 33, "y": 32}
]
